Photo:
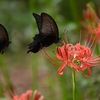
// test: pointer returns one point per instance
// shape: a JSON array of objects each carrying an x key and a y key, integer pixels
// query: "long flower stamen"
[
  {"x": 48, "y": 58},
  {"x": 65, "y": 36},
  {"x": 80, "y": 36}
]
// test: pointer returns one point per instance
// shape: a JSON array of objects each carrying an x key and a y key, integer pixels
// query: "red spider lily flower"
[
  {"x": 24, "y": 96},
  {"x": 28, "y": 96},
  {"x": 94, "y": 30},
  {"x": 90, "y": 14},
  {"x": 76, "y": 56},
  {"x": 92, "y": 21},
  {"x": 37, "y": 96}
]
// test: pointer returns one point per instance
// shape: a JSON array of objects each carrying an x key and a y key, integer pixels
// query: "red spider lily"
[
  {"x": 28, "y": 96},
  {"x": 76, "y": 56},
  {"x": 37, "y": 96},
  {"x": 92, "y": 21},
  {"x": 90, "y": 14},
  {"x": 24, "y": 96},
  {"x": 93, "y": 30}
]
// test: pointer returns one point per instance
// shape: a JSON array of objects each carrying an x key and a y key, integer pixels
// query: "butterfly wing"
[
  {"x": 35, "y": 46},
  {"x": 46, "y": 25},
  {"x": 4, "y": 39},
  {"x": 49, "y": 26},
  {"x": 38, "y": 21}
]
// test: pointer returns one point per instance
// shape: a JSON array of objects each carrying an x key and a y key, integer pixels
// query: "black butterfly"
[
  {"x": 4, "y": 39},
  {"x": 48, "y": 32}
]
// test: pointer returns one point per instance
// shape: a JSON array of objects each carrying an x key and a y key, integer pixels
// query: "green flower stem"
[{"x": 73, "y": 84}]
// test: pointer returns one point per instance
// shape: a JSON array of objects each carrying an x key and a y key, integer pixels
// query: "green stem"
[{"x": 73, "y": 84}]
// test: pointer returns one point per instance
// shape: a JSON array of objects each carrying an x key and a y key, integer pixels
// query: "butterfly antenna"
[
  {"x": 65, "y": 36},
  {"x": 13, "y": 36}
]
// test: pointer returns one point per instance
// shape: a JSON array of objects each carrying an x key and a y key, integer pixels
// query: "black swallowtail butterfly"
[
  {"x": 4, "y": 39},
  {"x": 48, "y": 32}
]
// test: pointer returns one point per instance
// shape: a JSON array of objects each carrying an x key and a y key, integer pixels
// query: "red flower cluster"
[
  {"x": 28, "y": 96},
  {"x": 76, "y": 56},
  {"x": 89, "y": 14},
  {"x": 92, "y": 21}
]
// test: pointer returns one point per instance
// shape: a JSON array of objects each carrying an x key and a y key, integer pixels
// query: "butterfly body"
[
  {"x": 4, "y": 39},
  {"x": 48, "y": 33}
]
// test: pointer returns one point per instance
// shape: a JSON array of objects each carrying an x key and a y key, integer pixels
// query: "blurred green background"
[{"x": 24, "y": 71}]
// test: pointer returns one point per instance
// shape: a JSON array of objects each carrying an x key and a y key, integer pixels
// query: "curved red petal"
[{"x": 61, "y": 68}]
